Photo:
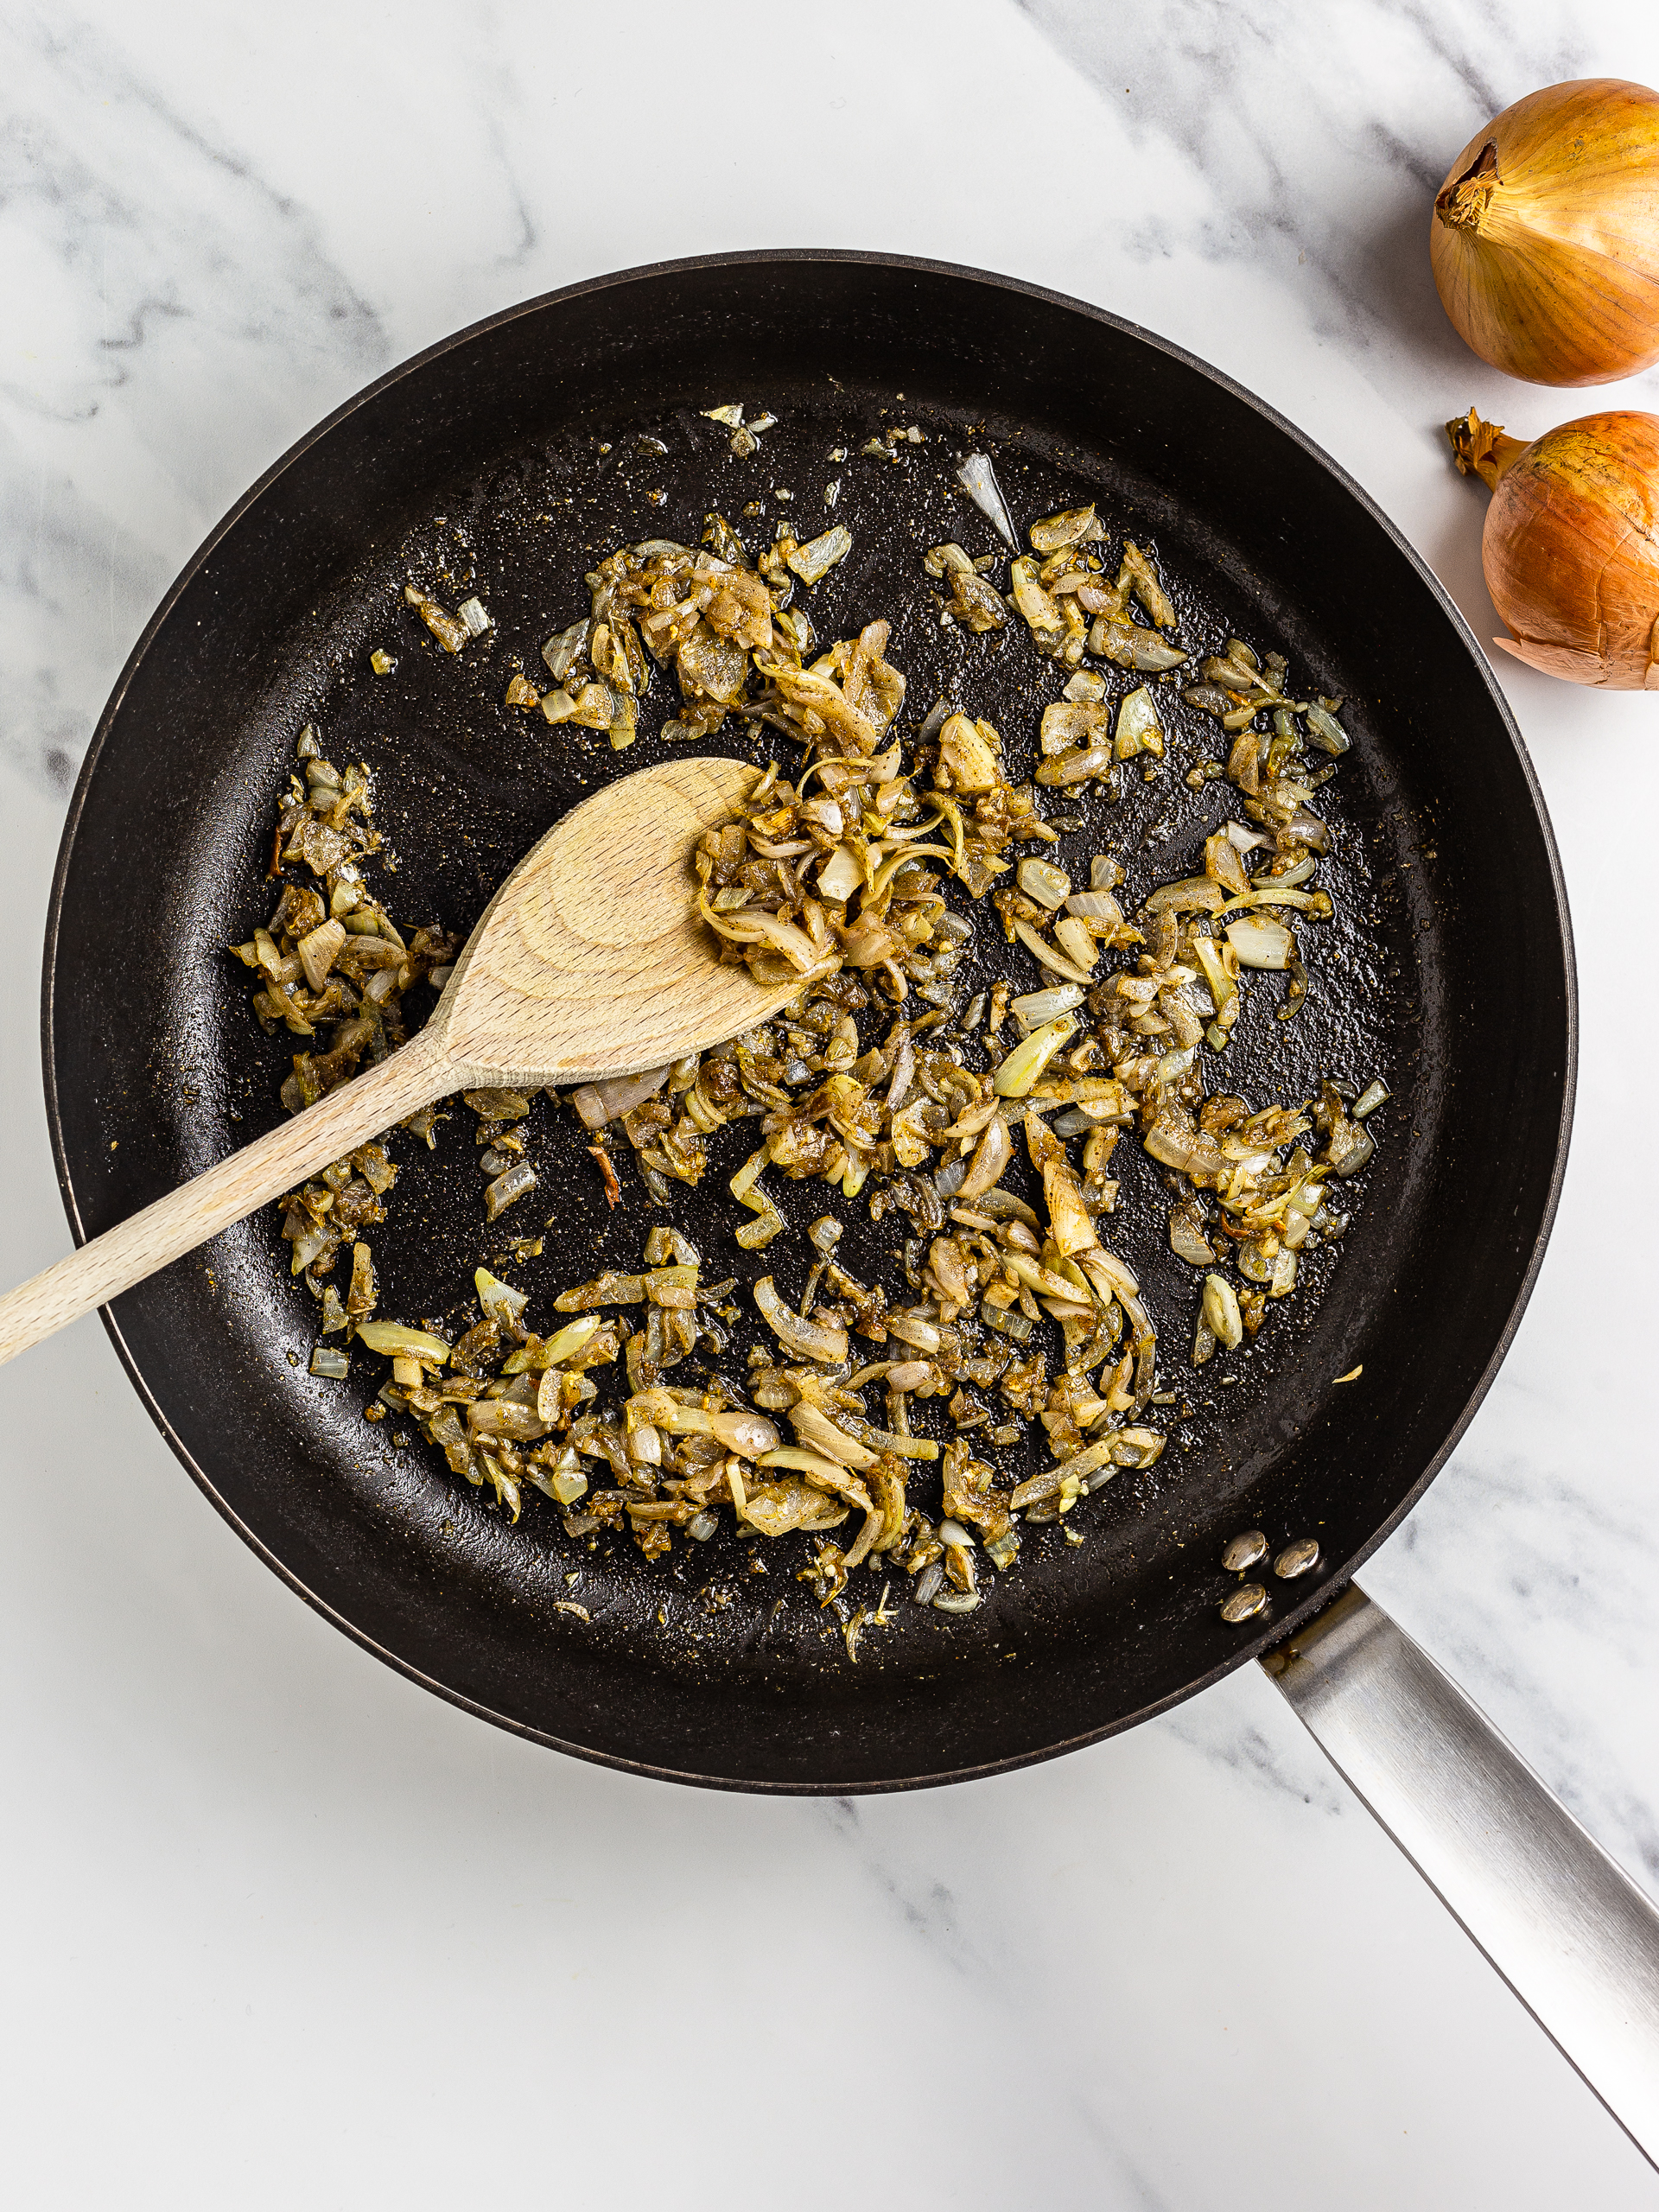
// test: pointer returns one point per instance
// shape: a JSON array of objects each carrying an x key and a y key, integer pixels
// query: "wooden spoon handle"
[{"x": 107, "y": 1265}]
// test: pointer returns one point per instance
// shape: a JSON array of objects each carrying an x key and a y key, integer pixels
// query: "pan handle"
[{"x": 1566, "y": 1927}]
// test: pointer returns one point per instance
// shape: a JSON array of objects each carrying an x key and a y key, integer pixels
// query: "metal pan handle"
[{"x": 1566, "y": 1927}]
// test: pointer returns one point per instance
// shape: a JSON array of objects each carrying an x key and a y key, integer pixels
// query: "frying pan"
[{"x": 505, "y": 460}]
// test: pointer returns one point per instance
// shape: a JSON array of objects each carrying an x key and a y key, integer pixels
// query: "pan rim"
[{"x": 1253, "y": 1647}]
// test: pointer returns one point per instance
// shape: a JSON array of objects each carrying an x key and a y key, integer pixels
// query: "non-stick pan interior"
[{"x": 504, "y": 463}]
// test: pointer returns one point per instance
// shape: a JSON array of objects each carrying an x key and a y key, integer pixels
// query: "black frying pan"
[{"x": 508, "y": 458}]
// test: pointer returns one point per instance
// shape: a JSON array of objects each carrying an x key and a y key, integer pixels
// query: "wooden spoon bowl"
[{"x": 590, "y": 960}]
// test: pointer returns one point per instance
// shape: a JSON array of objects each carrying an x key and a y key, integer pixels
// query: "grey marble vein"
[
  {"x": 1308, "y": 134},
  {"x": 179, "y": 304}
]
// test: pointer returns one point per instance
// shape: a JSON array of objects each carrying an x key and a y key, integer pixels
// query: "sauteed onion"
[{"x": 876, "y": 850}]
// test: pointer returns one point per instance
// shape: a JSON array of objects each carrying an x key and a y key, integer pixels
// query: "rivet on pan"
[
  {"x": 1243, "y": 1551},
  {"x": 1248, "y": 1598},
  {"x": 1296, "y": 1559}
]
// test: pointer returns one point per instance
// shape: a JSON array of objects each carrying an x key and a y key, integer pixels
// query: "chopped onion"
[
  {"x": 816, "y": 1431},
  {"x": 1351, "y": 1153},
  {"x": 841, "y": 873},
  {"x": 596, "y": 1103},
  {"x": 1261, "y": 941},
  {"x": 1095, "y": 907},
  {"x": 1036, "y": 1488},
  {"x": 968, "y": 755},
  {"x": 612, "y": 1289},
  {"x": 1368, "y": 1100},
  {"x": 1105, "y": 1268},
  {"x": 1037, "y": 1007},
  {"x": 1077, "y": 765},
  {"x": 494, "y": 1418},
  {"x": 1193, "y": 894},
  {"x": 1220, "y": 979},
  {"x": 927, "y": 1583},
  {"x": 1040, "y": 611},
  {"x": 1077, "y": 526},
  {"x": 741, "y": 1431},
  {"x": 776, "y": 1508},
  {"x": 319, "y": 950},
  {"x": 498, "y": 1300},
  {"x": 562, "y": 650},
  {"x": 506, "y": 1190},
  {"x": 1020, "y": 1070},
  {"x": 902, "y": 1447},
  {"x": 815, "y": 559},
  {"x": 1039, "y": 1278},
  {"x": 1120, "y": 639},
  {"x": 769, "y": 1222},
  {"x": 812, "y": 1339},
  {"x": 978, "y": 479},
  {"x": 910, "y": 1329},
  {"x": 571, "y": 1339},
  {"x": 825, "y": 1474},
  {"x": 1221, "y": 1313},
  {"x": 1138, "y": 727},
  {"x": 1042, "y": 881},
  {"x": 948, "y": 1181},
  {"x": 1077, "y": 940},
  {"x": 393, "y": 1341},
  {"x": 667, "y": 1413},
  {"x": 1325, "y": 730},
  {"x": 836, "y": 865},
  {"x": 1073, "y": 722},
  {"x": 450, "y": 634},
  {"x": 1056, "y": 962}
]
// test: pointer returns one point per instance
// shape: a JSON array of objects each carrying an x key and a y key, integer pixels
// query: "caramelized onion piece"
[{"x": 812, "y": 1339}]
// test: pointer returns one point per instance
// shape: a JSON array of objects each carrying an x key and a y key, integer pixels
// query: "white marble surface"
[{"x": 281, "y": 1929}]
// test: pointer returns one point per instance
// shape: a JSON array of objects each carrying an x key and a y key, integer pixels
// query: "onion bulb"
[
  {"x": 1571, "y": 546},
  {"x": 1545, "y": 236}
]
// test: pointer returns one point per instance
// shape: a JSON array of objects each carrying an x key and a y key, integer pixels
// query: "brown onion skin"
[
  {"x": 1571, "y": 551},
  {"x": 1550, "y": 269}
]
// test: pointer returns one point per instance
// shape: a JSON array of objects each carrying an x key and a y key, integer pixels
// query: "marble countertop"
[{"x": 280, "y": 1926}]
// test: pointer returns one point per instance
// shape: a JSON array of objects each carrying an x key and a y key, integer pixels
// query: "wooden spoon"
[{"x": 589, "y": 961}]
